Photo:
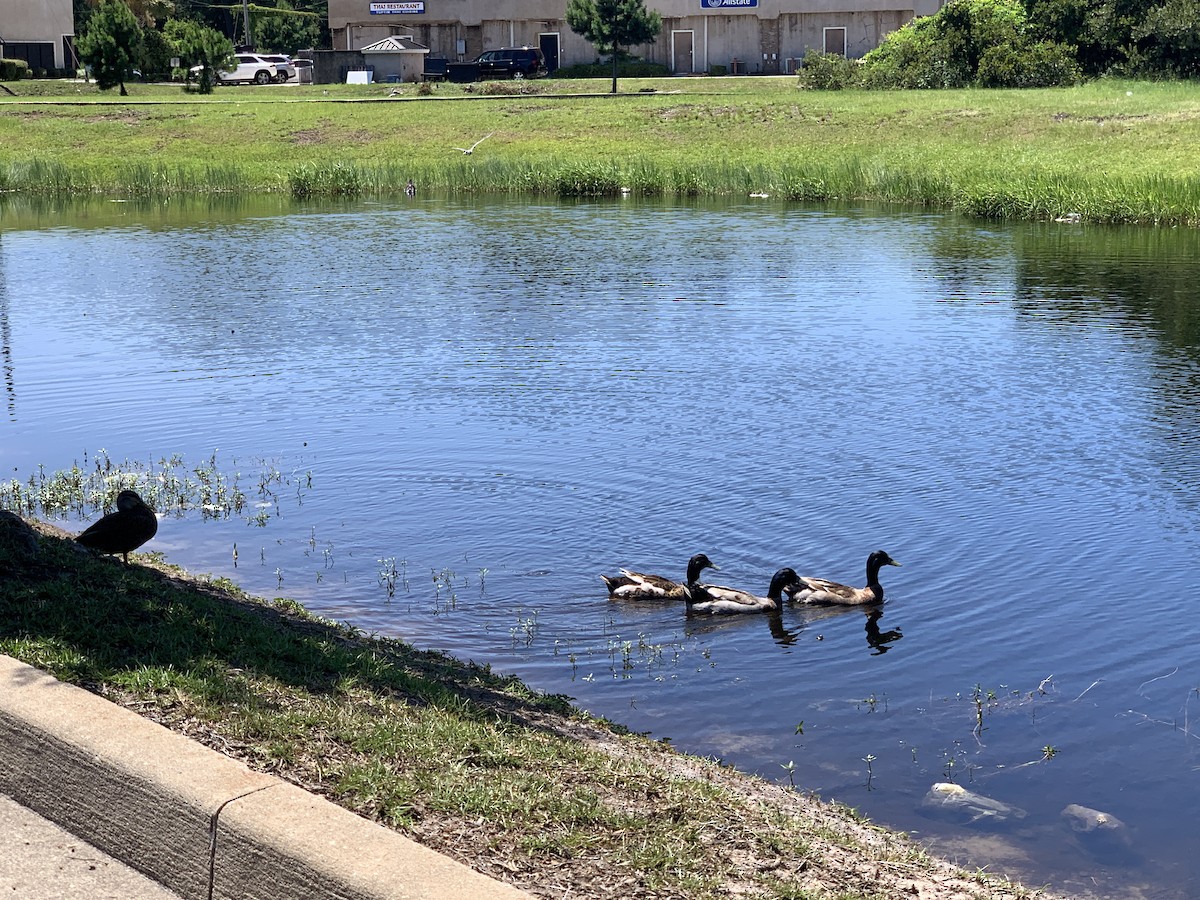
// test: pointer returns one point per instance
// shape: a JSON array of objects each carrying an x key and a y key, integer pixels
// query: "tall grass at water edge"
[
  {"x": 133, "y": 179},
  {"x": 1146, "y": 199},
  {"x": 1036, "y": 195}
]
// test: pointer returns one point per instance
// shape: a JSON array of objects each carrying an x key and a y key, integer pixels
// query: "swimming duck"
[
  {"x": 818, "y": 591},
  {"x": 131, "y": 525},
  {"x": 638, "y": 586},
  {"x": 715, "y": 600}
]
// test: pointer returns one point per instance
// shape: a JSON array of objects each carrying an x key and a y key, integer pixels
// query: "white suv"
[
  {"x": 283, "y": 65},
  {"x": 250, "y": 68}
]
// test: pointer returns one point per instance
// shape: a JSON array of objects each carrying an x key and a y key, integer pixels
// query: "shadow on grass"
[{"x": 92, "y": 620}]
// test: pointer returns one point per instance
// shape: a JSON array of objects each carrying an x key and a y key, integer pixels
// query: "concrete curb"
[{"x": 156, "y": 801}]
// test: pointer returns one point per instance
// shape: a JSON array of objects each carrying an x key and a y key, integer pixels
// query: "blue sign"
[{"x": 728, "y": 4}]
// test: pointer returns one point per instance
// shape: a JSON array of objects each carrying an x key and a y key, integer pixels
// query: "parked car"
[
  {"x": 283, "y": 65},
  {"x": 511, "y": 62},
  {"x": 250, "y": 68}
]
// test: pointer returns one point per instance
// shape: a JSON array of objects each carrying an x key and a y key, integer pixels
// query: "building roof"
[{"x": 396, "y": 43}]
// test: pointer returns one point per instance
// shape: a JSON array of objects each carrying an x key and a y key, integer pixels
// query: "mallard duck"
[
  {"x": 131, "y": 525},
  {"x": 638, "y": 586},
  {"x": 715, "y": 600},
  {"x": 820, "y": 592}
]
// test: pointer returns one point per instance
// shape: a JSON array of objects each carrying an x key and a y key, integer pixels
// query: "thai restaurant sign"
[{"x": 398, "y": 7}]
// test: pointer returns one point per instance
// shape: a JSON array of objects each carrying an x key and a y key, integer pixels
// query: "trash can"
[{"x": 303, "y": 71}]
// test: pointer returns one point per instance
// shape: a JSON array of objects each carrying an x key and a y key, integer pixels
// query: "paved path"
[{"x": 40, "y": 861}]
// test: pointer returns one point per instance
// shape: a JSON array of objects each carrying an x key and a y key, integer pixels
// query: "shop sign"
[{"x": 400, "y": 7}]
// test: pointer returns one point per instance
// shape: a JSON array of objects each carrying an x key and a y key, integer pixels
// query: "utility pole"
[{"x": 246, "y": 23}]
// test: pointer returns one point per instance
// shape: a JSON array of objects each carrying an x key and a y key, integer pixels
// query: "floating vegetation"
[{"x": 170, "y": 485}]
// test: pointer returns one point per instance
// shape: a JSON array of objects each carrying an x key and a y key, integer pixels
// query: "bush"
[
  {"x": 981, "y": 43},
  {"x": 1040, "y": 64},
  {"x": 13, "y": 69},
  {"x": 913, "y": 57},
  {"x": 827, "y": 72}
]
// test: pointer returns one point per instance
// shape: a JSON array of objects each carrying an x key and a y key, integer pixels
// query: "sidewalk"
[
  {"x": 40, "y": 861},
  {"x": 192, "y": 820}
]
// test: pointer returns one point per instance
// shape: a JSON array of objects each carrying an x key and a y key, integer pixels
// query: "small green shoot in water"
[{"x": 868, "y": 759}]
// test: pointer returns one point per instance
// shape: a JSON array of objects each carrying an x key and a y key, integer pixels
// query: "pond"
[{"x": 472, "y": 409}]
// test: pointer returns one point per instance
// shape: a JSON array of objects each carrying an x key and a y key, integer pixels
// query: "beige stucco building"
[
  {"x": 749, "y": 36},
  {"x": 41, "y": 32}
]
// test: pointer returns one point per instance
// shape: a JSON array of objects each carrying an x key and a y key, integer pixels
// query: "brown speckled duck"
[
  {"x": 819, "y": 592},
  {"x": 715, "y": 600},
  {"x": 124, "y": 530},
  {"x": 639, "y": 586}
]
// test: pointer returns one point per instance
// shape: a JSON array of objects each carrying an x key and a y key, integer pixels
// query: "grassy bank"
[
  {"x": 518, "y": 785},
  {"x": 1109, "y": 151}
]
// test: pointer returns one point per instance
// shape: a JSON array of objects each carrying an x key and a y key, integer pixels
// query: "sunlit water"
[{"x": 518, "y": 397}]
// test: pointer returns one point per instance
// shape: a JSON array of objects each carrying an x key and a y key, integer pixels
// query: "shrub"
[
  {"x": 1039, "y": 64},
  {"x": 13, "y": 69},
  {"x": 718, "y": 71},
  {"x": 983, "y": 43},
  {"x": 827, "y": 72},
  {"x": 912, "y": 57}
]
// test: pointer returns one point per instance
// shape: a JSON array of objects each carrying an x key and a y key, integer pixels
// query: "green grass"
[
  {"x": 1112, "y": 151},
  {"x": 521, "y": 785}
]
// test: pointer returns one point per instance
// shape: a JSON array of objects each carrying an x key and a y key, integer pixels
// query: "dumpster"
[{"x": 462, "y": 72}]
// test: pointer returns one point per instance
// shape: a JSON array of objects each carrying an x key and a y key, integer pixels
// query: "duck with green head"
[
  {"x": 819, "y": 592},
  {"x": 640, "y": 586},
  {"x": 714, "y": 600}
]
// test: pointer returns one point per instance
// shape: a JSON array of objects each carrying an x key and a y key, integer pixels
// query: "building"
[
  {"x": 41, "y": 32},
  {"x": 743, "y": 36}
]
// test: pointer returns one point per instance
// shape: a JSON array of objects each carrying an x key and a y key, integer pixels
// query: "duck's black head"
[
  {"x": 875, "y": 562},
  {"x": 698, "y": 564},
  {"x": 128, "y": 500},
  {"x": 782, "y": 580}
]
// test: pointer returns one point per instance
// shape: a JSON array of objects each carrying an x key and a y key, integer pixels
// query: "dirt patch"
[
  {"x": 125, "y": 117},
  {"x": 307, "y": 136},
  {"x": 1097, "y": 120}
]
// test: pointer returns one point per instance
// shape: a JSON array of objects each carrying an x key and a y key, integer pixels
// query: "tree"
[
  {"x": 110, "y": 44},
  {"x": 199, "y": 45},
  {"x": 287, "y": 31},
  {"x": 613, "y": 24}
]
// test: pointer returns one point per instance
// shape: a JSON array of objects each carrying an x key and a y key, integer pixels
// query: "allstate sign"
[{"x": 728, "y": 4}]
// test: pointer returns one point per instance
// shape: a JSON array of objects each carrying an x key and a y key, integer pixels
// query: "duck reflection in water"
[
  {"x": 783, "y": 635},
  {"x": 880, "y": 641}
]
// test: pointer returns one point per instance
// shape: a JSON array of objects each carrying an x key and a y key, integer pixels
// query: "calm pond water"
[{"x": 505, "y": 400}]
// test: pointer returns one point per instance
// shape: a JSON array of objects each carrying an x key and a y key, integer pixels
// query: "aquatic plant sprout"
[{"x": 170, "y": 485}]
